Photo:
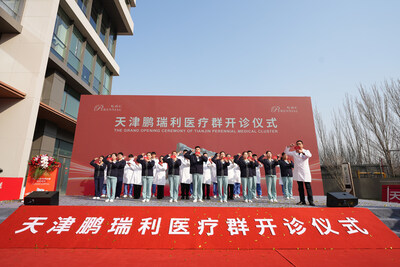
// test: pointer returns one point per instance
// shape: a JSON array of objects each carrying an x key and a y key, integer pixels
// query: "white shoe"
[
  {"x": 125, "y": 196},
  {"x": 175, "y": 200},
  {"x": 195, "y": 200},
  {"x": 271, "y": 200},
  {"x": 130, "y": 196},
  {"x": 111, "y": 200},
  {"x": 225, "y": 201},
  {"x": 171, "y": 200},
  {"x": 275, "y": 200},
  {"x": 147, "y": 200},
  {"x": 221, "y": 200},
  {"x": 291, "y": 197},
  {"x": 107, "y": 200},
  {"x": 116, "y": 197},
  {"x": 200, "y": 200},
  {"x": 215, "y": 196},
  {"x": 144, "y": 200},
  {"x": 251, "y": 201},
  {"x": 287, "y": 198},
  {"x": 246, "y": 200},
  {"x": 103, "y": 195},
  {"x": 94, "y": 198}
]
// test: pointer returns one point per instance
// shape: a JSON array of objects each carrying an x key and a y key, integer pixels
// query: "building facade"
[{"x": 52, "y": 52}]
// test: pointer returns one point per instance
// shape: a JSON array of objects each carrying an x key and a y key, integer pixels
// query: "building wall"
[{"x": 23, "y": 65}]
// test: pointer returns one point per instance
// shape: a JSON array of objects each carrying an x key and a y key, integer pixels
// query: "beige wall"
[{"x": 23, "y": 65}]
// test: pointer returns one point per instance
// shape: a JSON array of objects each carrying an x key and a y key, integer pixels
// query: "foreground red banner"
[
  {"x": 195, "y": 228},
  {"x": 140, "y": 124}
]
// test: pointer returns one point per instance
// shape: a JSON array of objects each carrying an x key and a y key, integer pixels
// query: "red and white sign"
[
  {"x": 10, "y": 188},
  {"x": 391, "y": 193},
  {"x": 45, "y": 183},
  {"x": 194, "y": 228},
  {"x": 139, "y": 124}
]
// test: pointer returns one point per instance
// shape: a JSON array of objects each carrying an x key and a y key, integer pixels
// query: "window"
[
  {"x": 70, "y": 104},
  {"x": 103, "y": 28},
  {"x": 97, "y": 75},
  {"x": 106, "y": 83},
  {"x": 62, "y": 149},
  {"x": 75, "y": 51},
  {"x": 94, "y": 15},
  {"x": 83, "y": 5},
  {"x": 60, "y": 35},
  {"x": 87, "y": 64},
  {"x": 12, "y": 7},
  {"x": 111, "y": 42}
]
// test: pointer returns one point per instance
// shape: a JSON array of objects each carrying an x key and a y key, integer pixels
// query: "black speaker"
[
  {"x": 341, "y": 199},
  {"x": 42, "y": 198}
]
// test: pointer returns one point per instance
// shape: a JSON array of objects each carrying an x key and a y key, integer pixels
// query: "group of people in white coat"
[{"x": 201, "y": 176}]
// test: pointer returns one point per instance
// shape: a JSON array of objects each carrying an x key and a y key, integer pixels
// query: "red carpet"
[{"x": 76, "y": 235}]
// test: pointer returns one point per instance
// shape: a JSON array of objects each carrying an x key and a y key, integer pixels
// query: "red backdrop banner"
[
  {"x": 194, "y": 228},
  {"x": 138, "y": 124}
]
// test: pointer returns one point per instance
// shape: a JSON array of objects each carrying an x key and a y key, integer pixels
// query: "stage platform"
[{"x": 372, "y": 244}]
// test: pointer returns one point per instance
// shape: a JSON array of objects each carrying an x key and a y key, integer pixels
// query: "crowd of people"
[{"x": 227, "y": 176}]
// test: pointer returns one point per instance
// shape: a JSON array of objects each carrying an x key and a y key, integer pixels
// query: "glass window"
[
  {"x": 62, "y": 149},
  {"x": 106, "y": 83},
  {"x": 97, "y": 75},
  {"x": 83, "y": 5},
  {"x": 103, "y": 28},
  {"x": 94, "y": 15},
  {"x": 75, "y": 51},
  {"x": 70, "y": 104},
  {"x": 11, "y": 7},
  {"x": 60, "y": 35},
  {"x": 111, "y": 42},
  {"x": 87, "y": 64}
]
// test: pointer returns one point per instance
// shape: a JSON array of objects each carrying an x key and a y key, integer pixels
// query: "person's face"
[
  {"x": 245, "y": 155},
  {"x": 284, "y": 157},
  {"x": 153, "y": 156},
  {"x": 130, "y": 158},
  {"x": 197, "y": 149},
  {"x": 228, "y": 156},
  {"x": 269, "y": 155},
  {"x": 255, "y": 157},
  {"x": 250, "y": 154},
  {"x": 223, "y": 155},
  {"x": 148, "y": 155},
  {"x": 119, "y": 156},
  {"x": 101, "y": 158},
  {"x": 161, "y": 158},
  {"x": 114, "y": 157},
  {"x": 174, "y": 153},
  {"x": 206, "y": 155},
  {"x": 299, "y": 144}
]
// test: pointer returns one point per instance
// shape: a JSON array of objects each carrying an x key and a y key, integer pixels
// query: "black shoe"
[
  {"x": 301, "y": 203},
  {"x": 187, "y": 197},
  {"x": 208, "y": 198},
  {"x": 312, "y": 204}
]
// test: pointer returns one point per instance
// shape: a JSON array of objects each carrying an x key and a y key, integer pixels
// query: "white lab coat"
[
  {"x": 137, "y": 173},
  {"x": 213, "y": 168},
  {"x": 258, "y": 173},
  {"x": 159, "y": 178},
  {"x": 128, "y": 172},
  {"x": 207, "y": 172},
  {"x": 105, "y": 176},
  {"x": 301, "y": 171},
  {"x": 184, "y": 171},
  {"x": 231, "y": 173},
  {"x": 155, "y": 170}
]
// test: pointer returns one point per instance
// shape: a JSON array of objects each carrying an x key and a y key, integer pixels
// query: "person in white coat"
[
  {"x": 137, "y": 180},
  {"x": 231, "y": 177},
  {"x": 214, "y": 179},
  {"x": 236, "y": 187},
  {"x": 186, "y": 177},
  {"x": 301, "y": 172},
  {"x": 128, "y": 176},
  {"x": 258, "y": 180},
  {"x": 207, "y": 177},
  {"x": 154, "y": 185},
  {"x": 160, "y": 176}
]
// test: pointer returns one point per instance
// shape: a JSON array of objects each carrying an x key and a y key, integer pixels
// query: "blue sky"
[{"x": 320, "y": 48}]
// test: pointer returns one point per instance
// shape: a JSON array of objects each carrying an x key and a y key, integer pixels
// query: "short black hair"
[
  {"x": 120, "y": 153},
  {"x": 301, "y": 141},
  {"x": 205, "y": 153},
  {"x": 130, "y": 156},
  {"x": 254, "y": 155},
  {"x": 153, "y": 153},
  {"x": 102, "y": 156},
  {"x": 114, "y": 154},
  {"x": 197, "y": 147},
  {"x": 283, "y": 154},
  {"x": 268, "y": 151},
  {"x": 185, "y": 150},
  {"x": 249, "y": 151}
]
